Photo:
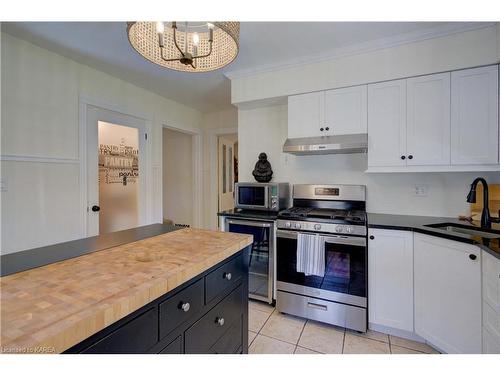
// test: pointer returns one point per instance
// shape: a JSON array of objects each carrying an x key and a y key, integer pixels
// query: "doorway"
[
  {"x": 227, "y": 151},
  {"x": 178, "y": 177},
  {"x": 116, "y": 173}
]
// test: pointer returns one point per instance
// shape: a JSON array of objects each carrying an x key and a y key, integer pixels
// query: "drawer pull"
[
  {"x": 227, "y": 275},
  {"x": 219, "y": 321},
  {"x": 316, "y": 306},
  {"x": 185, "y": 306}
]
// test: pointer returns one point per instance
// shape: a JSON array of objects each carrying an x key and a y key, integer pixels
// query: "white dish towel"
[{"x": 311, "y": 254}]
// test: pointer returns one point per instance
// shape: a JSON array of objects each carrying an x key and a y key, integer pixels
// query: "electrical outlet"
[{"x": 420, "y": 190}]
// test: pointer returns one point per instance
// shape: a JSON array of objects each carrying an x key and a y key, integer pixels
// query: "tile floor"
[{"x": 273, "y": 333}]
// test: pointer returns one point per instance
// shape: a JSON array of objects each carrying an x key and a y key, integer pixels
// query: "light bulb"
[
  {"x": 196, "y": 39},
  {"x": 160, "y": 27}
]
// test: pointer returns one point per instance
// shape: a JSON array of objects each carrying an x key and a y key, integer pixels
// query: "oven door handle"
[
  {"x": 331, "y": 239},
  {"x": 250, "y": 223}
]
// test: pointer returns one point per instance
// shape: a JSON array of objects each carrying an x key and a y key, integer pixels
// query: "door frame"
[
  {"x": 212, "y": 136},
  {"x": 196, "y": 167},
  {"x": 85, "y": 102}
]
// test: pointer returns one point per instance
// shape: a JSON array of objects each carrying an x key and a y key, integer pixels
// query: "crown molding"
[{"x": 365, "y": 47}]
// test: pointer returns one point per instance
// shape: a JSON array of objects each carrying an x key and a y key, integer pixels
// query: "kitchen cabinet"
[
  {"x": 185, "y": 320},
  {"x": 428, "y": 120},
  {"x": 491, "y": 304},
  {"x": 447, "y": 288},
  {"x": 387, "y": 124},
  {"x": 474, "y": 116},
  {"x": 346, "y": 111},
  {"x": 390, "y": 278},
  {"x": 332, "y": 112}
]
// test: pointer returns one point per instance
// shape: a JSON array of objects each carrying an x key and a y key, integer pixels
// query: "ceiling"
[{"x": 104, "y": 46}]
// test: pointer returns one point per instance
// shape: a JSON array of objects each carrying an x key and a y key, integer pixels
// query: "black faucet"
[{"x": 486, "y": 218}]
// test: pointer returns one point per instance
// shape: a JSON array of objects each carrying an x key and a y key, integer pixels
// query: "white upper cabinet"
[
  {"x": 428, "y": 120},
  {"x": 306, "y": 115},
  {"x": 346, "y": 111},
  {"x": 332, "y": 112},
  {"x": 390, "y": 278},
  {"x": 447, "y": 288},
  {"x": 474, "y": 116},
  {"x": 387, "y": 124}
]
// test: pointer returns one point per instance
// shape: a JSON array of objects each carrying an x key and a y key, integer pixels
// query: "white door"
[
  {"x": 116, "y": 173},
  {"x": 346, "y": 111},
  {"x": 474, "y": 116},
  {"x": 226, "y": 174},
  {"x": 306, "y": 115},
  {"x": 448, "y": 294},
  {"x": 390, "y": 278},
  {"x": 428, "y": 120},
  {"x": 387, "y": 124}
]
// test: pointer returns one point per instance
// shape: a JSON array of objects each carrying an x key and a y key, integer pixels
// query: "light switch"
[{"x": 3, "y": 184}]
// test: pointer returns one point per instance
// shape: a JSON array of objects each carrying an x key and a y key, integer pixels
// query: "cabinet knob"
[
  {"x": 219, "y": 321},
  {"x": 410, "y": 157},
  {"x": 185, "y": 306},
  {"x": 327, "y": 128},
  {"x": 321, "y": 129},
  {"x": 95, "y": 208},
  {"x": 372, "y": 237},
  {"x": 472, "y": 256},
  {"x": 227, "y": 275},
  {"x": 403, "y": 157}
]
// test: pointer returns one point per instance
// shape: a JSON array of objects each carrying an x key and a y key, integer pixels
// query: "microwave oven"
[{"x": 267, "y": 196}]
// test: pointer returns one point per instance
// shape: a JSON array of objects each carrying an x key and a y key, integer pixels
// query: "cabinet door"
[
  {"x": 390, "y": 278},
  {"x": 491, "y": 281},
  {"x": 306, "y": 115},
  {"x": 387, "y": 124},
  {"x": 474, "y": 116},
  {"x": 428, "y": 120},
  {"x": 346, "y": 111},
  {"x": 447, "y": 278}
]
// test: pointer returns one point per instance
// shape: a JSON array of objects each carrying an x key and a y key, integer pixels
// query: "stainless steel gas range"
[{"x": 332, "y": 218}]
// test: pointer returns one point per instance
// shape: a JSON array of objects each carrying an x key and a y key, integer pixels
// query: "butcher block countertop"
[{"x": 51, "y": 308}]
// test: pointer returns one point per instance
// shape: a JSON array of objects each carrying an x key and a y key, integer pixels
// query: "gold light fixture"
[{"x": 186, "y": 46}]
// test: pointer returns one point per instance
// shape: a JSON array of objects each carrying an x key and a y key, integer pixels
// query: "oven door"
[
  {"x": 345, "y": 278},
  {"x": 252, "y": 196}
]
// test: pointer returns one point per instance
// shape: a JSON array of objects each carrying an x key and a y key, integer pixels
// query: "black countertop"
[
  {"x": 419, "y": 224},
  {"x": 250, "y": 214},
  {"x": 41, "y": 256}
]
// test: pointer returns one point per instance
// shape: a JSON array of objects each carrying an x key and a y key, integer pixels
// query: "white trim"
[
  {"x": 212, "y": 135},
  {"x": 39, "y": 159},
  {"x": 365, "y": 47},
  {"x": 196, "y": 167},
  {"x": 435, "y": 168},
  {"x": 84, "y": 101}
]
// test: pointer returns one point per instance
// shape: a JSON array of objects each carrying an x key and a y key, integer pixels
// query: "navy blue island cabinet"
[{"x": 206, "y": 315}]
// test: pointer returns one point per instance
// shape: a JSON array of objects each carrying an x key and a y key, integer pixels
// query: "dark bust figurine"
[{"x": 263, "y": 171}]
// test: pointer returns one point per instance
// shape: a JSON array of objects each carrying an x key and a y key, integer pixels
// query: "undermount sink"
[{"x": 454, "y": 228}]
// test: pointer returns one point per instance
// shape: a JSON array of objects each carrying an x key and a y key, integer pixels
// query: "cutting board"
[{"x": 494, "y": 196}]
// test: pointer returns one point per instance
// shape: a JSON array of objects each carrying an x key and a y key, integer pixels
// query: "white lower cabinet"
[
  {"x": 447, "y": 288},
  {"x": 491, "y": 304},
  {"x": 390, "y": 278}
]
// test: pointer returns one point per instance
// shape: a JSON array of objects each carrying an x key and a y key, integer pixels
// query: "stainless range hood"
[{"x": 332, "y": 144}]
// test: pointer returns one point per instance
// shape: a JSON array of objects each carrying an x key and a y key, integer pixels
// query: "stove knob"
[
  {"x": 348, "y": 229},
  {"x": 287, "y": 224},
  {"x": 297, "y": 226},
  {"x": 339, "y": 228},
  {"x": 317, "y": 226}
]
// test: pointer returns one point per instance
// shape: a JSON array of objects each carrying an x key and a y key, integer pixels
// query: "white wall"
[
  {"x": 265, "y": 130},
  {"x": 456, "y": 51},
  {"x": 40, "y": 140},
  {"x": 177, "y": 177},
  {"x": 214, "y": 124}
]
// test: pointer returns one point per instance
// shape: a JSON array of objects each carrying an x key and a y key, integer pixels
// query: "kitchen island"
[{"x": 184, "y": 291}]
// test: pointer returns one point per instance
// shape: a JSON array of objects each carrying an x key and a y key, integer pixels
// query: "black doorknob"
[
  {"x": 472, "y": 256},
  {"x": 95, "y": 208},
  {"x": 372, "y": 237},
  {"x": 410, "y": 157},
  {"x": 403, "y": 157}
]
